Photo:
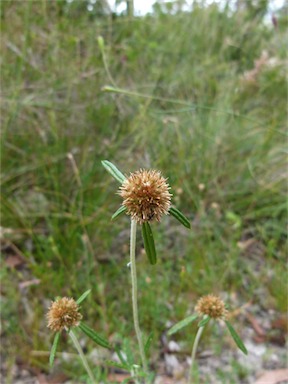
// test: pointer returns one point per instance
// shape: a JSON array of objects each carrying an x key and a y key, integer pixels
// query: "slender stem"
[
  {"x": 193, "y": 354},
  {"x": 106, "y": 67},
  {"x": 82, "y": 356},
  {"x": 134, "y": 292},
  {"x": 126, "y": 92}
]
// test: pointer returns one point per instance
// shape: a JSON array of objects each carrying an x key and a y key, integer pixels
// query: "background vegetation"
[{"x": 210, "y": 115}]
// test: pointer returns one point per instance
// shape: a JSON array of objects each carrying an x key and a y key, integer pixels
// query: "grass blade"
[
  {"x": 181, "y": 324},
  {"x": 113, "y": 170},
  {"x": 180, "y": 217},
  {"x": 119, "y": 212},
  {"x": 121, "y": 358},
  {"x": 83, "y": 297},
  {"x": 149, "y": 244},
  {"x": 54, "y": 348},
  {"x": 148, "y": 344},
  {"x": 236, "y": 338},
  {"x": 94, "y": 336},
  {"x": 112, "y": 363}
]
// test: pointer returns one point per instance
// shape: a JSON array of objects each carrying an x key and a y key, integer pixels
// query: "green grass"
[{"x": 201, "y": 124}]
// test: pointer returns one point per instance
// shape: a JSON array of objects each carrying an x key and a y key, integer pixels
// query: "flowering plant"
[
  {"x": 64, "y": 314},
  {"x": 208, "y": 307},
  {"x": 146, "y": 198}
]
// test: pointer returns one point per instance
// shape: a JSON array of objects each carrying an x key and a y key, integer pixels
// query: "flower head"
[
  {"x": 63, "y": 313},
  {"x": 146, "y": 195},
  {"x": 212, "y": 306}
]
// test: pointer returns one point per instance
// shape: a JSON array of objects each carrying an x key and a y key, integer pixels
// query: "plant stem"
[
  {"x": 126, "y": 92},
  {"x": 134, "y": 292},
  {"x": 193, "y": 354},
  {"x": 82, "y": 356}
]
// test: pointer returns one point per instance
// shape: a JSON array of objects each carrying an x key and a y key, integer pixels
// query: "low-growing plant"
[
  {"x": 146, "y": 198},
  {"x": 208, "y": 308},
  {"x": 64, "y": 315}
]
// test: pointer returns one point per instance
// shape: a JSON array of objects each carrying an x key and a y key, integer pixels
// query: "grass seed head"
[
  {"x": 212, "y": 306},
  {"x": 63, "y": 313},
  {"x": 146, "y": 195}
]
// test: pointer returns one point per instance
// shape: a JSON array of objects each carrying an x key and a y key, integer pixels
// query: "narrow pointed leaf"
[
  {"x": 101, "y": 43},
  {"x": 203, "y": 322},
  {"x": 112, "y": 363},
  {"x": 94, "y": 336},
  {"x": 148, "y": 343},
  {"x": 149, "y": 244},
  {"x": 183, "y": 323},
  {"x": 180, "y": 217},
  {"x": 113, "y": 170},
  {"x": 127, "y": 381},
  {"x": 236, "y": 338},
  {"x": 54, "y": 348},
  {"x": 121, "y": 358},
  {"x": 83, "y": 297},
  {"x": 119, "y": 212}
]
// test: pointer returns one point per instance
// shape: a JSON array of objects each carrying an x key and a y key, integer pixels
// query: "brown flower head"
[
  {"x": 146, "y": 195},
  {"x": 212, "y": 306},
  {"x": 63, "y": 313}
]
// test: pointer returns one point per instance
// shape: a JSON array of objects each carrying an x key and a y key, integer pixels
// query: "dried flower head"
[
  {"x": 146, "y": 195},
  {"x": 63, "y": 313},
  {"x": 212, "y": 306}
]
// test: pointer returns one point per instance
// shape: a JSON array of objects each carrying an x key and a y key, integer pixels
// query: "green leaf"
[
  {"x": 128, "y": 380},
  {"x": 181, "y": 324},
  {"x": 83, "y": 297},
  {"x": 149, "y": 244},
  {"x": 121, "y": 358},
  {"x": 148, "y": 344},
  {"x": 236, "y": 338},
  {"x": 113, "y": 170},
  {"x": 100, "y": 42},
  {"x": 234, "y": 219},
  {"x": 112, "y": 363},
  {"x": 180, "y": 217},
  {"x": 94, "y": 336},
  {"x": 53, "y": 349},
  {"x": 204, "y": 321},
  {"x": 119, "y": 211}
]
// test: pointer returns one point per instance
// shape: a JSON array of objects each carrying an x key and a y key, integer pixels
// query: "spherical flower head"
[
  {"x": 212, "y": 306},
  {"x": 146, "y": 195},
  {"x": 63, "y": 314}
]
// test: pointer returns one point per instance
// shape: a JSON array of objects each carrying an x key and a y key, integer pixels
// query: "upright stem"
[
  {"x": 134, "y": 292},
  {"x": 82, "y": 356},
  {"x": 195, "y": 345}
]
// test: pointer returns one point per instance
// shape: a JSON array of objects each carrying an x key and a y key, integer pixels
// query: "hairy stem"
[
  {"x": 82, "y": 356},
  {"x": 134, "y": 293},
  {"x": 193, "y": 354}
]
